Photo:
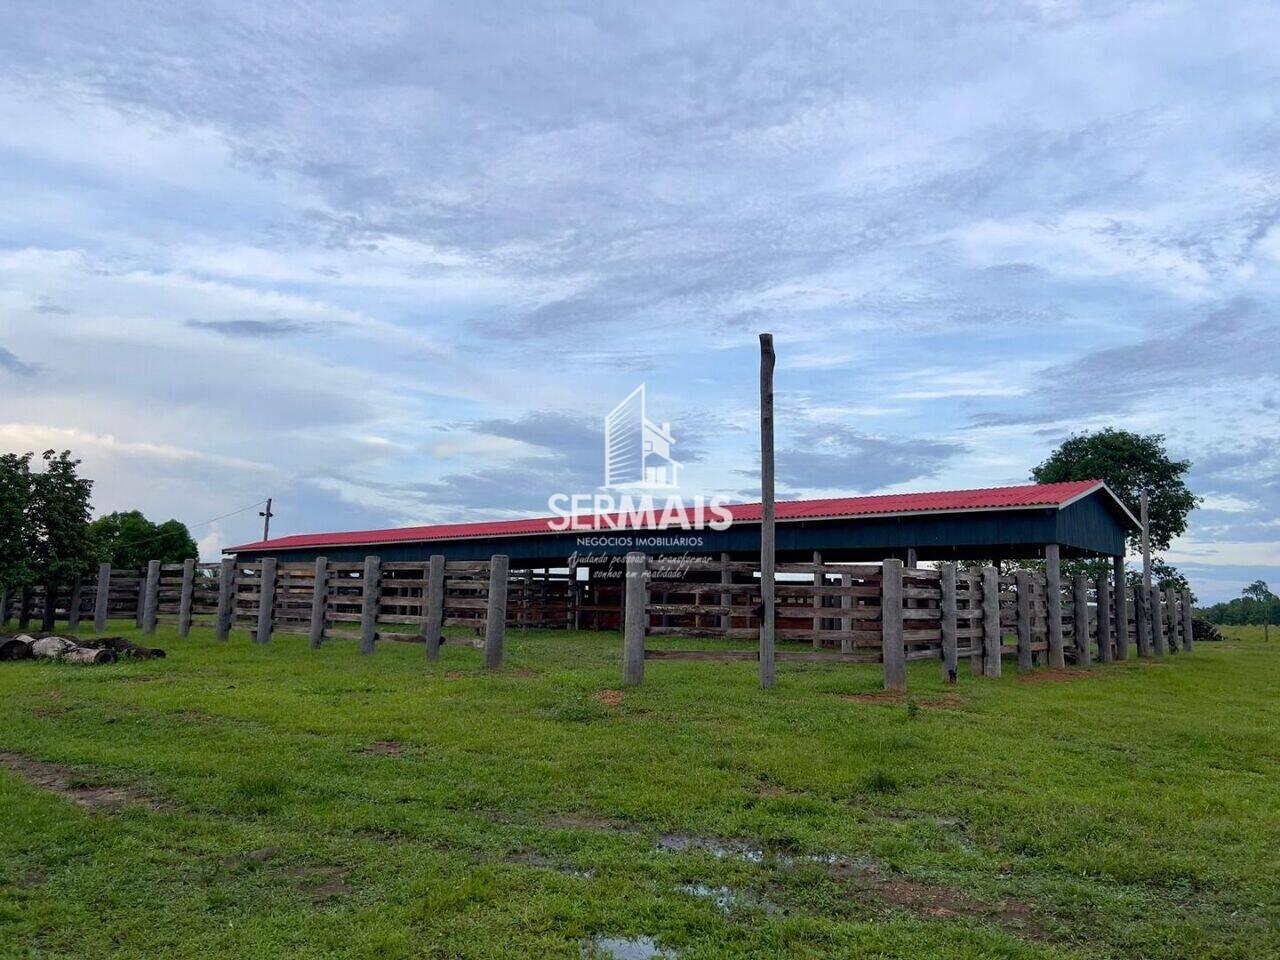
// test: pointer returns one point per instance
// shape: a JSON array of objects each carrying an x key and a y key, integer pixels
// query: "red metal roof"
[{"x": 945, "y": 501}]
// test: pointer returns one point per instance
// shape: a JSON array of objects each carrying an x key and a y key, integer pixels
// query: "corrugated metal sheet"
[{"x": 944, "y": 501}]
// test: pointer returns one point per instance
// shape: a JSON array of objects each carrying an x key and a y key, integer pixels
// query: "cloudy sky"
[{"x": 392, "y": 264}]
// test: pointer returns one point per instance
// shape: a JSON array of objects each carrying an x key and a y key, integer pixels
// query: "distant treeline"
[{"x": 1244, "y": 610}]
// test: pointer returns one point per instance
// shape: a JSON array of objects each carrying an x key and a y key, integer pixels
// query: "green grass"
[{"x": 323, "y": 804}]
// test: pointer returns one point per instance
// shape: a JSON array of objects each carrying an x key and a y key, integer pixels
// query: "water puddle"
[
  {"x": 749, "y": 853},
  {"x": 727, "y": 899},
  {"x": 601, "y": 947}
]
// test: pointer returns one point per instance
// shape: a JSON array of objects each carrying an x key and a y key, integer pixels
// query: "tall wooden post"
[
  {"x": 4, "y": 607},
  {"x": 495, "y": 627},
  {"x": 991, "y": 643},
  {"x": 433, "y": 621},
  {"x": 1104, "y": 618},
  {"x": 185, "y": 598},
  {"x": 370, "y": 598},
  {"x": 768, "y": 667},
  {"x": 1022, "y": 583},
  {"x": 266, "y": 600},
  {"x": 1142, "y": 597},
  {"x": 319, "y": 604},
  {"x": 1122, "y": 614},
  {"x": 893, "y": 648},
  {"x": 1080, "y": 620},
  {"x": 819, "y": 581},
  {"x": 846, "y": 621},
  {"x": 726, "y": 596},
  {"x": 151, "y": 595},
  {"x": 1053, "y": 591},
  {"x": 575, "y": 598},
  {"x": 950, "y": 644},
  {"x": 101, "y": 598},
  {"x": 635, "y": 621},
  {"x": 226, "y": 598},
  {"x": 1157, "y": 622},
  {"x": 912, "y": 558},
  {"x": 73, "y": 605},
  {"x": 1171, "y": 621},
  {"x": 1188, "y": 624}
]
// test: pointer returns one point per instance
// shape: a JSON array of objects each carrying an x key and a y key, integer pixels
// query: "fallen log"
[
  {"x": 50, "y": 648},
  {"x": 122, "y": 646},
  {"x": 88, "y": 655},
  {"x": 14, "y": 648}
]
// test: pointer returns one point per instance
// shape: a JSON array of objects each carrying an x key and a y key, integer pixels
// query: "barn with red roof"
[{"x": 1084, "y": 518}]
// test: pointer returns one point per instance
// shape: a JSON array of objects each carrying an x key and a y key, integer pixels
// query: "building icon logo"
[{"x": 637, "y": 451}]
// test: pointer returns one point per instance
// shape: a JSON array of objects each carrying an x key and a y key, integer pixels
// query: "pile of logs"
[{"x": 72, "y": 649}]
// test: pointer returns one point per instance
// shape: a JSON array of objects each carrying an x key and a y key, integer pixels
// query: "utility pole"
[
  {"x": 266, "y": 516},
  {"x": 1146, "y": 545},
  {"x": 768, "y": 676}
]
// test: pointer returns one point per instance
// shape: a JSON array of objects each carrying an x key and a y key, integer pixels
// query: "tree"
[
  {"x": 15, "y": 502},
  {"x": 127, "y": 540},
  {"x": 1258, "y": 590},
  {"x": 1128, "y": 463},
  {"x": 59, "y": 545},
  {"x": 1165, "y": 576}
]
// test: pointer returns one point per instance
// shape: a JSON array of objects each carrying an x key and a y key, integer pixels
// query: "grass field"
[{"x": 243, "y": 801}]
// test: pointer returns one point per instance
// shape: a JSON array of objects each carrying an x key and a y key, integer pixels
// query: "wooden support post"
[
  {"x": 526, "y": 600},
  {"x": 266, "y": 601},
  {"x": 101, "y": 598},
  {"x": 893, "y": 649},
  {"x": 1157, "y": 621},
  {"x": 1022, "y": 583},
  {"x": 24, "y": 609},
  {"x": 226, "y": 598},
  {"x": 151, "y": 597},
  {"x": 726, "y": 597},
  {"x": 1104, "y": 618},
  {"x": 185, "y": 598},
  {"x": 433, "y": 612},
  {"x": 575, "y": 596},
  {"x": 912, "y": 562},
  {"x": 1122, "y": 614},
  {"x": 846, "y": 622},
  {"x": 1142, "y": 619},
  {"x": 819, "y": 580},
  {"x": 636, "y": 617},
  {"x": 73, "y": 605},
  {"x": 991, "y": 642},
  {"x": 768, "y": 666},
  {"x": 1053, "y": 591},
  {"x": 950, "y": 644},
  {"x": 319, "y": 604},
  {"x": 4, "y": 607},
  {"x": 495, "y": 627},
  {"x": 1188, "y": 624},
  {"x": 1080, "y": 620},
  {"x": 370, "y": 600},
  {"x": 1171, "y": 621}
]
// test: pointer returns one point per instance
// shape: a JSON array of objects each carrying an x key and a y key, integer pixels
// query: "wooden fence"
[{"x": 858, "y": 613}]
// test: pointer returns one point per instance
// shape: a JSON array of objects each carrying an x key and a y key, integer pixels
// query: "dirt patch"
[
  {"x": 321, "y": 882},
  {"x": 385, "y": 748},
  {"x": 939, "y": 901},
  {"x": 610, "y": 698},
  {"x": 582, "y": 821},
  {"x": 524, "y": 673},
  {"x": 67, "y": 782}
]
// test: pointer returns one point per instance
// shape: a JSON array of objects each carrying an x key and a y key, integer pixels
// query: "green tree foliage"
[
  {"x": 15, "y": 502},
  {"x": 1128, "y": 463},
  {"x": 59, "y": 546},
  {"x": 127, "y": 540},
  {"x": 1256, "y": 605}
]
